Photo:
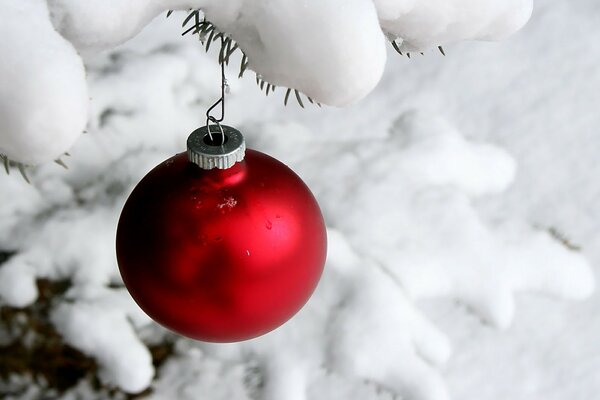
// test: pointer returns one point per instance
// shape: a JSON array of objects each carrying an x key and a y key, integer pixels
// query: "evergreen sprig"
[
  {"x": 8, "y": 164},
  {"x": 562, "y": 238},
  {"x": 23, "y": 168},
  {"x": 195, "y": 24},
  {"x": 407, "y": 54}
]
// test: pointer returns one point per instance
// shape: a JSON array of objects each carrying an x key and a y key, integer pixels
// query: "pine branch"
[
  {"x": 8, "y": 163},
  {"x": 22, "y": 168},
  {"x": 560, "y": 237},
  {"x": 298, "y": 98},
  {"x": 208, "y": 33},
  {"x": 23, "y": 172},
  {"x": 61, "y": 163},
  {"x": 287, "y": 96},
  {"x": 397, "y": 49}
]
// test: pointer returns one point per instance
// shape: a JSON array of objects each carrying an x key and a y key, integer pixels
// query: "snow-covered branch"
[{"x": 334, "y": 51}]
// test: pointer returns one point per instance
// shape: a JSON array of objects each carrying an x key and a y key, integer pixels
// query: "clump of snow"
[
  {"x": 475, "y": 168},
  {"x": 416, "y": 187},
  {"x": 43, "y": 95},
  {"x": 403, "y": 347},
  {"x": 17, "y": 284},
  {"x": 335, "y": 52},
  {"x": 96, "y": 25},
  {"x": 422, "y": 24},
  {"x": 100, "y": 326},
  {"x": 68, "y": 251},
  {"x": 191, "y": 374}
]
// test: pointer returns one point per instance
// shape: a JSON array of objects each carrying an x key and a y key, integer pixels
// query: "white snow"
[
  {"x": 96, "y": 25},
  {"x": 100, "y": 326},
  {"x": 333, "y": 52},
  {"x": 191, "y": 373},
  {"x": 379, "y": 335},
  {"x": 17, "y": 284},
  {"x": 417, "y": 194},
  {"x": 416, "y": 187},
  {"x": 422, "y": 24},
  {"x": 43, "y": 96}
]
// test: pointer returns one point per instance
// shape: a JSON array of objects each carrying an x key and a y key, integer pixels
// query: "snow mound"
[
  {"x": 100, "y": 326},
  {"x": 96, "y": 25},
  {"x": 422, "y": 24},
  {"x": 191, "y": 374},
  {"x": 333, "y": 51},
  {"x": 403, "y": 348},
  {"x": 43, "y": 95},
  {"x": 416, "y": 186},
  {"x": 68, "y": 254}
]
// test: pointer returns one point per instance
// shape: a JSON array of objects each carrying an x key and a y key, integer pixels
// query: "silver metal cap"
[{"x": 218, "y": 152}]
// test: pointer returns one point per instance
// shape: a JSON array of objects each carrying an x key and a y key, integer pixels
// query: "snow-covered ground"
[{"x": 440, "y": 190}]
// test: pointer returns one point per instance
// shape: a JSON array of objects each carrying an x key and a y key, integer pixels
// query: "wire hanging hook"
[{"x": 210, "y": 118}]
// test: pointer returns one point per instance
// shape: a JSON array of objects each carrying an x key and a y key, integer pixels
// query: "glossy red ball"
[{"x": 221, "y": 255}]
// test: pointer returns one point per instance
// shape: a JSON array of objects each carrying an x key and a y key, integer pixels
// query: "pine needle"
[
  {"x": 396, "y": 47},
  {"x": 193, "y": 14},
  {"x": 61, "y": 163},
  {"x": 299, "y": 99},
  {"x": 6, "y": 164},
  {"x": 23, "y": 172},
  {"x": 222, "y": 55},
  {"x": 210, "y": 39},
  {"x": 230, "y": 50},
  {"x": 243, "y": 65},
  {"x": 204, "y": 28},
  {"x": 207, "y": 33},
  {"x": 188, "y": 31},
  {"x": 563, "y": 239}
]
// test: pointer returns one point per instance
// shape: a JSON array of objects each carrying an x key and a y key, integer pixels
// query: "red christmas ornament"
[{"x": 222, "y": 254}]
